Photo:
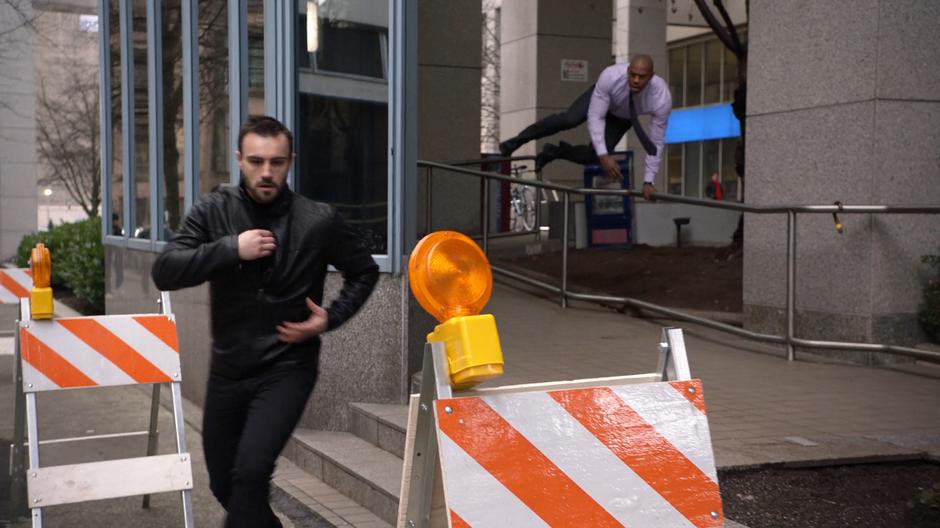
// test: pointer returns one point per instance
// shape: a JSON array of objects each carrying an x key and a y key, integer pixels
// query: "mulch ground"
[
  {"x": 884, "y": 495},
  {"x": 696, "y": 278}
]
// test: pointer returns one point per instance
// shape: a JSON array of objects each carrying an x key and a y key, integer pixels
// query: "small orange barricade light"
[
  {"x": 451, "y": 278},
  {"x": 40, "y": 298}
]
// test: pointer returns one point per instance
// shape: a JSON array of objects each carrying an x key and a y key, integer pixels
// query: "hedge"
[{"x": 77, "y": 259}]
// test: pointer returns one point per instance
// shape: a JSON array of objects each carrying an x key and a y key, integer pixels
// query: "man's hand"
[
  {"x": 648, "y": 190},
  {"x": 255, "y": 244},
  {"x": 315, "y": 325},
  {"x": 611, "y": 167}
]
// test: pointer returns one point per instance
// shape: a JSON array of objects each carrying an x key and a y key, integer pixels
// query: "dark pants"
[
  {"x": 246, "y": 424},
  {"x": 614, "y": 129}
]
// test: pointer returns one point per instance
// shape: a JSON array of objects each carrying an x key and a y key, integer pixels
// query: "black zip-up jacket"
[{"x": 250, "y": 298}]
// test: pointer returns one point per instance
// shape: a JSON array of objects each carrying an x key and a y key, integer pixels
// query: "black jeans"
[
  {"x": 246, "y": 424},
  {"x": 614, "y": 129}
]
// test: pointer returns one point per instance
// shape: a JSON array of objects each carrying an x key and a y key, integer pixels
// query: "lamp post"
[{"x": 47, "y": 192}]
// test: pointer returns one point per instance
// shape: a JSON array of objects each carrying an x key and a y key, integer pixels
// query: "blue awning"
[{"x": 701, "y": 124}]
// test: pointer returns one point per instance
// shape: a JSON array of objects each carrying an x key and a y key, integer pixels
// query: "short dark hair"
[{"x": 265, "y": 126}]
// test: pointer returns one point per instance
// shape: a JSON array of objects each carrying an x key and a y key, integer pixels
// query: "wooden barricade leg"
[
  {"x": 435, "y": 383},
  {"x": 153, "y": 435}
]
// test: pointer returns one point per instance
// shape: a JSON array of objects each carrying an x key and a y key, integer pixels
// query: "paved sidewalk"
[{"x": 761, "y": 408}]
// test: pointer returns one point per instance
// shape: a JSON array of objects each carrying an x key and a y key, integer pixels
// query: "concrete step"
[
  {"x": 382, "y": 425},
  {"x": 356, "y": 468}
]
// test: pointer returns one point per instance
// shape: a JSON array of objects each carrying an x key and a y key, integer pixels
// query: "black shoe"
[
  {"x": 506, "y": 148},
  {"x": 548, "y": 154}
]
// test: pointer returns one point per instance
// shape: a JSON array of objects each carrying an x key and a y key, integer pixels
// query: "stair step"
[
  {"x": 382, "y": 425},
  {"x": 362, "y": 471}
]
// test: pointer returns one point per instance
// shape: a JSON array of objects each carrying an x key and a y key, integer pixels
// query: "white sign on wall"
[{"x": 574, "y": 70}]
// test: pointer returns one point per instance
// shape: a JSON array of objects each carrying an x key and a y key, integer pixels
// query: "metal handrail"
[{"x": 790, "y": 340}]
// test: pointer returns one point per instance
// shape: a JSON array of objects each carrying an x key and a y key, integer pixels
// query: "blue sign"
[{"x": 702, "y": 123}]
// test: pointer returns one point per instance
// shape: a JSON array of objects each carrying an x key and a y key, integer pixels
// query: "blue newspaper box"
[{"x": 609, "y": 218}]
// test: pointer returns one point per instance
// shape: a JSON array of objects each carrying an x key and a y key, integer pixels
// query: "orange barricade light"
[
  {"x": 451, "y": 278},
  {"x": 40, "y": 298}
]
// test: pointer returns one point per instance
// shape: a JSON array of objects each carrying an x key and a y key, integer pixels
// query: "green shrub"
[
  {"x": 930, "y": 309},
  {"x": 77, "y": 259}
]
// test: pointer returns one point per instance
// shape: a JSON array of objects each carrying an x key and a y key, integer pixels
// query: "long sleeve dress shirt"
[{"x": 612, "y": 95}]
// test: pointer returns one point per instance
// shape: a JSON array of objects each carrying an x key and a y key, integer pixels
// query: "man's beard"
[{"x": 259, "y": 196}]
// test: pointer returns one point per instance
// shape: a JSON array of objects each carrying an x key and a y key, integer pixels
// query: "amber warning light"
[
  {"x": 41, "y": 297},
  {"x": 451, "y": 279}
]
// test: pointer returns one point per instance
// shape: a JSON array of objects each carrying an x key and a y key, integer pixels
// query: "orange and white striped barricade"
[
  {"x": 15, "y": 284},
  {"x": 103, "y": 351},
  {"x": 619, "y": 451}
]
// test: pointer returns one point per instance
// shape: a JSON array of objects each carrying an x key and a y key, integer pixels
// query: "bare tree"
[
  {"x": 68, "y": 138},
  {"x": 489, "y": 78}
]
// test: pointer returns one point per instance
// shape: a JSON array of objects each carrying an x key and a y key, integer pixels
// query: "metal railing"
[{"x": 789, "y": 339}]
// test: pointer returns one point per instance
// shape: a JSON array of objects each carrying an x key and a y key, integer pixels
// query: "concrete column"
[
  {"x": 18, "y": 165},
  {"x": 449, "y": 44},
  {"x": 536, "y": 36},
  {"x": 640, "y": 28},
  {"x": 843, "y": 106}
]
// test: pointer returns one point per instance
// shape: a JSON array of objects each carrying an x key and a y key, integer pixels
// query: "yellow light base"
[
  {"x": 473, "y": 351},
  {"x": 40, "y": 302}
]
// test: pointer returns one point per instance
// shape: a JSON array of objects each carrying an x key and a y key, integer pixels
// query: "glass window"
[
  {"x": 173, "y": 140},
  {"x": 342, "y": 131},
  {"x": 710, "y": 162},
  {"x": 729, "y": 176},
  {"x": 674, "y": 168},
  {"x": 693, "y": 169},
  {"x": 677, "y": 76},
  {"x": 693, "y": 93},
  {"x": 256, "y": 57},
  {"x": 141, "y": 124},
  {"x": 731, "y": 75},
  {"x": 349, "y": 38},
  {"x": 713, "y": 52},
  {"x": 214, "y": 149},
  {"x": 116, "y": 226}
]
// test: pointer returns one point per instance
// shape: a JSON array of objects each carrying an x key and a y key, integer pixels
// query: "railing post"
[
  {"x": 486, "y": 215},
  {"x": 564, "y": 255},
  {"x": 538, "y": 207},
  {"x": 791, "y": 282}
]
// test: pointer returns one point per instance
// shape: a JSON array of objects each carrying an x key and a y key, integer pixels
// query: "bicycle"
[{"x": 522, "y": 202}]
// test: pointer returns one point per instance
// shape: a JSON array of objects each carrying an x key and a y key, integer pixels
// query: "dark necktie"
[{"x": 648, "y": 145}]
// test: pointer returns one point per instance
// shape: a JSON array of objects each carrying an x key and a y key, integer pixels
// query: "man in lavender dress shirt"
[{"x": 610, "y": 107}]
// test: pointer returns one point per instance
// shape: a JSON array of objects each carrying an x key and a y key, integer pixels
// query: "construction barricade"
[
  {"x": 15, "y": 284},
  {"x": 620, "y": 451},
  {"x": 617, "y": 451},
  {"x": 54, "y": 355}
]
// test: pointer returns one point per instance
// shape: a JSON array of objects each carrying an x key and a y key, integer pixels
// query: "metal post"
[
  {"x": 32, "y": 427},
  {"x": 564, "y": 254},
  {"x": 17, "y": 461},
  {"x": 791, "y": 282},
  {"x": 180, "y": 427},
  {"x": 153, "y": 435},
  {"x": 486, "y": 215},
  {"x": 427, "y": 210}
]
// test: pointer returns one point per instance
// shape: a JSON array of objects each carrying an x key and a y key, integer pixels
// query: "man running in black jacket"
[{"x": 264, "y": 251}]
